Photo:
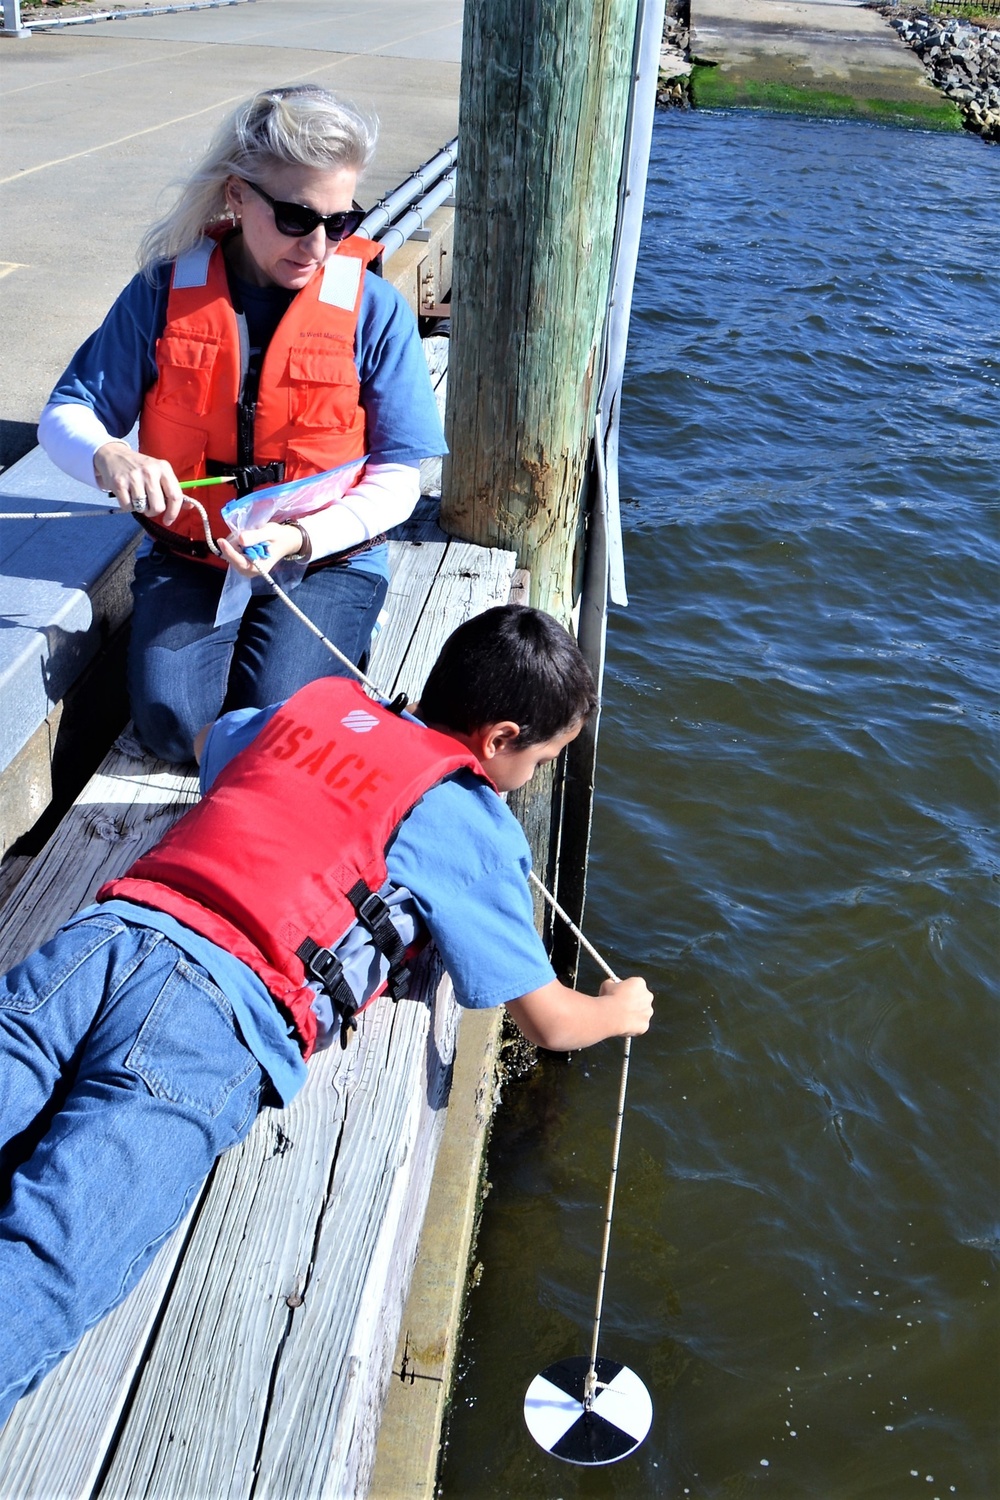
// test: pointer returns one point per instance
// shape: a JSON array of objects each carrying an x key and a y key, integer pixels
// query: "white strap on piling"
[{"x": 592, "y": 1384}]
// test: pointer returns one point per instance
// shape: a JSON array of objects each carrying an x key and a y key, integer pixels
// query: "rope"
[
  {"x": 209, "y": 538},
  {"x": 59, "y": 515},
  {"x": 592, "y": 1385},
  {"x": 371, "y": 686},
  {"x": 601, "y": 963},
  {"x": 78, "y": 515}
]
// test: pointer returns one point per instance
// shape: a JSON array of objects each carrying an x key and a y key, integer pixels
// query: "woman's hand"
[
  {"x": 266, "y": 545},
  {"x": 138, "y": 482}
]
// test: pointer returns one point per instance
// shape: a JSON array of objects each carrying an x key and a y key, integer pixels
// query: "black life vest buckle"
[
  {"x": 325, "y": 967},
  {"x": 247, "y": 477},
  {"x": 373, "y": 913}
]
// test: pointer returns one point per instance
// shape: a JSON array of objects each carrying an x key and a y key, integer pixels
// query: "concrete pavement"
[
  {"x": 99, "y": 120},
  {"x": 813, "y": 56}
]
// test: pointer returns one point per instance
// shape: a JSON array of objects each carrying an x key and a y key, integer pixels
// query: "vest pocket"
[
  {"x": 185, "y": 367},
  {"x": 324, "y": 389},
  {"x": 184, "y": 444}
]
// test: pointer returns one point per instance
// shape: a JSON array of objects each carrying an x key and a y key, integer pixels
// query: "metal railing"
[
  {"x": 403, "y": 213},
  {"x": 14, "y": 26},
  {"x": 12, "y": 23},
  {"x": 964, "y": 9}
]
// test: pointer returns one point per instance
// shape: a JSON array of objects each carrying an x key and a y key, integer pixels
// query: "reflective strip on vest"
[{"x": 307, "y": 413}]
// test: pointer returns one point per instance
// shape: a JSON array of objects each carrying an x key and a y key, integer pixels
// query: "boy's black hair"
[{"x": 515, "y": 663}]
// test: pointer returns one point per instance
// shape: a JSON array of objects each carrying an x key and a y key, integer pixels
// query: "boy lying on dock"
[{"x": 333, "y": 836}]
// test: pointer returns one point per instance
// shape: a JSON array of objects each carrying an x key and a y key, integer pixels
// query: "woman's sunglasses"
[{"x": 295, "y": 220}]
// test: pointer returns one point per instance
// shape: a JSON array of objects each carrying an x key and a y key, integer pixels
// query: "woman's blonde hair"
[{"x": 296, "y": 125}]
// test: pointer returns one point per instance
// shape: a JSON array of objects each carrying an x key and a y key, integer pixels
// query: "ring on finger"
[{"x": 139, "y": 503}]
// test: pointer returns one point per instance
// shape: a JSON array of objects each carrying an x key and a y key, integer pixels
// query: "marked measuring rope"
[
  {"x": 89, "y": 511},
  {"x": 592, "y": 1384},
  {"x": 346, "y": 660},
  {"x": 60, "y": 515}
]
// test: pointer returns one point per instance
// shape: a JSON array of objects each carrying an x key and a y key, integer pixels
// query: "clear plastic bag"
[{"x": 279, "y": 502}]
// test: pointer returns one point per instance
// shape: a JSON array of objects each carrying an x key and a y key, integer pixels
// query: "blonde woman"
[{"x": 256, "y": 340}]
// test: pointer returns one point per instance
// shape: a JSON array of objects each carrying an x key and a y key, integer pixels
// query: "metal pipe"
[
  {"x": 396, "y": 236},
  {"x": 127, "y": 15},
  {"x": 12, "y": 23},
  {"x": 421, "y": 181}
]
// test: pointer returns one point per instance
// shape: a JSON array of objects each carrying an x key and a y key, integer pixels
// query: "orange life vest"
[
  {"x": 305, "y": 418},
  {"x": 287, "y": 849}
]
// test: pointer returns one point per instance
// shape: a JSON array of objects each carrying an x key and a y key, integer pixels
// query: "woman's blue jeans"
[
  {"x": 123, "y": 1077},
  {"x": 182, "y": 672}
]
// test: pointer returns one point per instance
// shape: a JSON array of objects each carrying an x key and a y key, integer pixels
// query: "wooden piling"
[{"x": 545, "y": 91}]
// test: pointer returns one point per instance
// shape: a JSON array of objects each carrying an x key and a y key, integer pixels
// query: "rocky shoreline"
[
  {"x": 673, "y": 85},
  {"x": 962, "y": 59}
]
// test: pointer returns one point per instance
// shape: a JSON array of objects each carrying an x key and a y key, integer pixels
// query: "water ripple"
[{"x": 795, "y": 837}]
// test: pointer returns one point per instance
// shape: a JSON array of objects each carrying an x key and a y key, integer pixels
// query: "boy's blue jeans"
[{"x": 122, "y": 1078}]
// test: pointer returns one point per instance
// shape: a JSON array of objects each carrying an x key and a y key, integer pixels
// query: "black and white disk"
[{"x": 616, "y": 1424}]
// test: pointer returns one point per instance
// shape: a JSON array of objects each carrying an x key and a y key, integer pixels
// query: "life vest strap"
[
  {"x": 247, "y": 476},
  {"x": 325, "y": 967},
  {"x": 374, "y": 914}
]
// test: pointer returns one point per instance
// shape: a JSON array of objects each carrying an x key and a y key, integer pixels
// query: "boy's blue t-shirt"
[
  {"x": 464, "y": 858},
  {"x": 113, "y": 369}
]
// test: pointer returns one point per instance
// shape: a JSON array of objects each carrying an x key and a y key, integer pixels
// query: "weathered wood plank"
[
  {"x": 12, "y": 870},
  {"x": 124, "y": 808},
  {"x": 469, "y": 580},
  {"x": 206, "y": 1383},
  {"x": 415, "y": 569},
  {"x": 326, "y": 1405},
  {"x": 56, "y": 1440},
  {"x": 422, "y": 526},
  {"x": 407, "y": 1454}
]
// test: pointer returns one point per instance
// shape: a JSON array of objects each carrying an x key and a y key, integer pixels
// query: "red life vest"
[
  {"x": 307, "y": 415},
  {"x": 263, "y": 865}
]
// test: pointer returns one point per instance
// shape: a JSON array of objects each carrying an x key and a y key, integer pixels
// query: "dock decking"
[{"x": 254, "y": 1357}]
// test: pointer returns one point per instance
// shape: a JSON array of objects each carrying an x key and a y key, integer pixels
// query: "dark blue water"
[{"x": 795, "y": 839}]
